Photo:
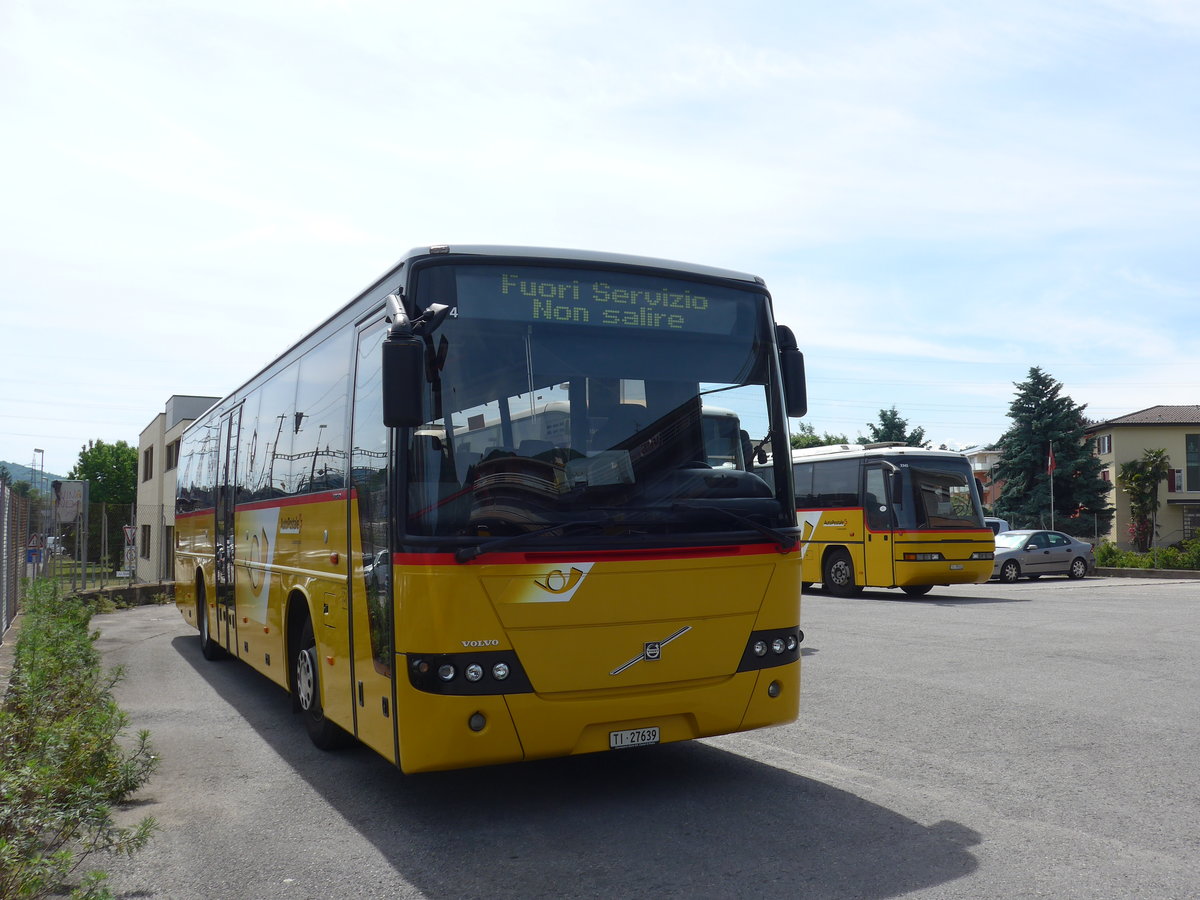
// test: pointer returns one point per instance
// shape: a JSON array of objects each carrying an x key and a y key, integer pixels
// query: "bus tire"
[
  {"x": 1010, "y": 572},
  {"x": 209, "y": 648},
  {"x": 306, "y": 681},
  {"x": 1078, "y": 568},
  {"x": 917, "y": 590},
  {"x": 839, "y": 574}
]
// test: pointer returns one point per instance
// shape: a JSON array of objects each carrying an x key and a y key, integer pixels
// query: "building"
[
  {"x": 1175, "y": 429},
  {"x": 983, "y": 462},
  {"x": 158, "y": 450}
]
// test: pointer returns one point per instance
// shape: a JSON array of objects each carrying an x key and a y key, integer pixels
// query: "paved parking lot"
[{"x": 1033, "y": 740}]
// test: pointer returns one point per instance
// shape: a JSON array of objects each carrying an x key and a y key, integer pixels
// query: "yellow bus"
[
  {"x": 888, "y": 515},
  {"x": 386, "y": 522}
]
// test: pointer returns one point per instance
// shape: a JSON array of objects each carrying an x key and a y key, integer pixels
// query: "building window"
[
  {"x": 147, "y": 464},
  {"x": 1104, "y": 444},
  {"x": 1105, "y": 475},
  {"x": 1174, "y": 481},
  {"x": 145, "y": 548},
  {"x": 172, "y": 455},
  {"x": 1192, "y": 445}
]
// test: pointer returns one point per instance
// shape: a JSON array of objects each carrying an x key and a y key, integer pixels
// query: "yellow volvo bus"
[
  {"x": 386, "y": 522},
  {"x": 888, "y": 515}
]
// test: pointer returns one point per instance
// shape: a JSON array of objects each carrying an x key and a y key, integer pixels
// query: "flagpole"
[{"x": 1050, "y": 469}]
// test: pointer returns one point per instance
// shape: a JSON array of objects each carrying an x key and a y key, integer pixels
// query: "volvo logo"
[{"x": 651, "y": 650}]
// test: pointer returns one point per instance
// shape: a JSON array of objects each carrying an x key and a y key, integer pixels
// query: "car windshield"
[
  {"x": 1009, "y": 539},
  {"x": 557, "y": 392}
]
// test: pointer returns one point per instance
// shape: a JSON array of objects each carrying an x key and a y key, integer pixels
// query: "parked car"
[
  {"x": 1031, "y": 554},
  {"x": 997, "y": 525}
]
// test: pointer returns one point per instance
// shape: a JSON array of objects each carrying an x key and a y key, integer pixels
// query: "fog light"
[
  {"x": 760, "y": 648},
  {"x": 500, "y": 671},
  {"x": 446, "y": 672},
  {"x": 791, "y": 642},
  {"x": 474, "y": 672},
  {"x": 477, "y": 721},
  {"x": 774, "y": 689},
  {"x": 777, "y": 646}
]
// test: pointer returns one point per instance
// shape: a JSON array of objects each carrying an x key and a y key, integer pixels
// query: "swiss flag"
[{"x": 1050, "y": 461}]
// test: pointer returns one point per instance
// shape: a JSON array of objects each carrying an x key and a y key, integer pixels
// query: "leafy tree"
[
  {"x": 1140, "y": 479},
  {"x": 1044, "y": 418},
  {"x": 893, "y": 428},
  {"x": 808, "y": 437},
  {"x": 110, "y": 470}
]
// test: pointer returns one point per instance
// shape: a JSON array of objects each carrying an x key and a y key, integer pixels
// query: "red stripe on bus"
[{"x": 526, "y": 557}]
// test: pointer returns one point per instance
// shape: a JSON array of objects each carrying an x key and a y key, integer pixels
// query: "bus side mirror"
[
  {"x": 791, "y": 365},
  {"x": 403, "y": 380}
]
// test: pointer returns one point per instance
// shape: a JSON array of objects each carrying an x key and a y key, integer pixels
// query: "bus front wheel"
[
  {"x": 306, "y": 681},
  {"x": 917, "y": 590},
  {"x": 839, "y": 574}
]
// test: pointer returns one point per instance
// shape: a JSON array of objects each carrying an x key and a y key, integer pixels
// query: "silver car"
[{"x": 1031, "y": 554}]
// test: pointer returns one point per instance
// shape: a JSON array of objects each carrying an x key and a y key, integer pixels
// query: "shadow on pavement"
[{"x": 675, "y": 820}]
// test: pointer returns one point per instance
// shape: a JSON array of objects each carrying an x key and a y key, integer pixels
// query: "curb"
[
  {"x": 1174, "y": 574},
  {"x": 8, "y": 652}
]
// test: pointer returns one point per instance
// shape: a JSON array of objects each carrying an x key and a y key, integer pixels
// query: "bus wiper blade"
[
  {"x": 466, "y": 554},
  {"x": 785, "y": 542}
]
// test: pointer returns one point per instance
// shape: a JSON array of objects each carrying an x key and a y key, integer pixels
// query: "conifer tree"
[{"x": 1045, "y": 419}]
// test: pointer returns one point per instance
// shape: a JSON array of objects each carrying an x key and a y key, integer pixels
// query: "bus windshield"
[
  {"x": 562, "y": 395},
  {"x": 935, "y": 493}
]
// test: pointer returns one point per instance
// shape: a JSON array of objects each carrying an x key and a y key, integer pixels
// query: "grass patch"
[{"x": 63, "y": 769}]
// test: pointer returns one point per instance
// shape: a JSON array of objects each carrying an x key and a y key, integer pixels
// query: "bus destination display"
[{"x": 612, "y": 299}]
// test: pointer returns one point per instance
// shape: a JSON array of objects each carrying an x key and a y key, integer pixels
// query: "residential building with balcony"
[{"x": 1175, "y": 429}]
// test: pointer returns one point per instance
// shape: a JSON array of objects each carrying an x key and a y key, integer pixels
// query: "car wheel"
[
  {"x": 1010, "y": 572},
  {"x": 1078, "y": 568},
  {"x": 839, "y": 575}
]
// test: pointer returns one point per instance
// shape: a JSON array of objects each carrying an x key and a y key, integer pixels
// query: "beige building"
[
  {"x": 158, "y": 450},
  {"x": 1175, "y": 429},
  {"x": 983, "y": 464}
]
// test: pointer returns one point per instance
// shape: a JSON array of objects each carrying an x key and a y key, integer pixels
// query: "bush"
[
  {"x": 62, "y": 769},
  {"x": 1185, "y": 555}
]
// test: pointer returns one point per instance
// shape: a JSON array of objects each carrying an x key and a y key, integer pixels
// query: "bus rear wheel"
[
  {"x": 839, "y": 575},
  {"x": 208, "y": 647},
  {"x": 917, "y": 590}
]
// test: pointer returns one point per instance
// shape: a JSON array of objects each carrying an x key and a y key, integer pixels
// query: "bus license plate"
[{"x": 634, "y": 737}]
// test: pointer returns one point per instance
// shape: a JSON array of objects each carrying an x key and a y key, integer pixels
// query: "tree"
[
  {"x": 893, "y": 428},
  {"x": 807, "y": 437},
  {"x": 110, "y": 470},
  {"x": 1045, "y": 419},
  {"x": 1140, "y": 479}
]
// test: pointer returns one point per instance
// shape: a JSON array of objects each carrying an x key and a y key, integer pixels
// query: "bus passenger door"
[
  {"x": 227, "y": 446},
  {"x": 878, "y": 542},
  {"x": 371, "y": 613}
]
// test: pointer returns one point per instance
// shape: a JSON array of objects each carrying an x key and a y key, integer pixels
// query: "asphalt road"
[{"x": 1034, "y": 740}]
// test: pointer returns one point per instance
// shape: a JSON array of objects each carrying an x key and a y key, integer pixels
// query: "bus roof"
[
  {"x": 884, "y": 449},
  {"x": 568, "y": 255}
]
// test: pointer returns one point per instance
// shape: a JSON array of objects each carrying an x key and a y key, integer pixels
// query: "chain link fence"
[{"x": 14, "y": 541}]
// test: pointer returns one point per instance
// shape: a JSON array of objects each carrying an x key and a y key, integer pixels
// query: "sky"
[{"x": 939, "y": 195}]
